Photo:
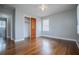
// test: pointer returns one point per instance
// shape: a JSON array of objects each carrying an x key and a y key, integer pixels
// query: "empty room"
[{"x": 39, "y": 29}]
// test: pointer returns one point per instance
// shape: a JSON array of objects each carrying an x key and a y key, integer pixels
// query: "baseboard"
[
  {"x": 18, "y": 40},
  {"x": 77, "y": 42},
  {"x": 59, "y": 38},
  {"x": 21, "y": 39}
]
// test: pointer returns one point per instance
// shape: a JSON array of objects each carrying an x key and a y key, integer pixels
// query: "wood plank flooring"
[{"x": 39, "y": 46}]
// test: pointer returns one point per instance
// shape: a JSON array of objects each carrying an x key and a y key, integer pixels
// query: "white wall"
[
  {"x": 63, "y": 25},
  {"x": 19, "y": 25},
  {"x": 78, "y": 24},
  {"x": 38, "y": 27}
]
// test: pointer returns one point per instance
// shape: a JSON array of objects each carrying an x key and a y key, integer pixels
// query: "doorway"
[
  {"x": 27, "y": 28},
  {"x": 3, "y": 32},
  {"x": 3, "y": 28},
  {"x": 30, "y": 28}
]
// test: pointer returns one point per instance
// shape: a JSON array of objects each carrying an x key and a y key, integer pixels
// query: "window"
[
  {"x": 46, "y": 25},
  {"x": 2, "y": 24}
]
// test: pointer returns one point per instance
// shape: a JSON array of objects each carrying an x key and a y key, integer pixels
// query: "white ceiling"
[{"x": 34, "y": 9}]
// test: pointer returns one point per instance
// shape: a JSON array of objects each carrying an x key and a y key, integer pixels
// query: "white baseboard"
[
  {"x": 21, "y": 39},
  {"x": 63, "y": 39},
  {"x": 59, "y": 38},
  {"x": 18, "y": 40}
]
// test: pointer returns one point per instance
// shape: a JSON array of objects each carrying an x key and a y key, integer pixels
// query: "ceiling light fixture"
[{"x": 43, "y": 7}]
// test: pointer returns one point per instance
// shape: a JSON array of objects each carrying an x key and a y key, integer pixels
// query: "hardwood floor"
[{"x": 40, "y": 46}]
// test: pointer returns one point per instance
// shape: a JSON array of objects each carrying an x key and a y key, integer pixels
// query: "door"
[{"x": 33, "y": 28}]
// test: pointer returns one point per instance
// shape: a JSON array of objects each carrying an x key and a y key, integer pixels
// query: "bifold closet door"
[{"x": 33, "y": 28}]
